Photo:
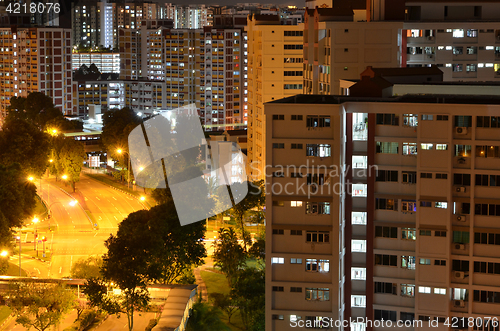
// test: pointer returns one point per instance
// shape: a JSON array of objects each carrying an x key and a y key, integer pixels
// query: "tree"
[
  {"x": 249, "y": 292},
  {"x": 96, "y": 291},
  {"x": 87, "y": 268},
  {"x": 150, "y": 246},
  {"x": 204, "y": 317},
  {"x": 37, "y": 108},
  {"x": 117, "y": 125},
  {"x": 22, "y": 142},
  {"x": 228, "y": 253},
  {"x": 254, "y": 199},
  {"x": 71, "y": 157},
  {"x": 39, "y": 305},
  {"x": 17, "y": 200},
  {"x": 224, "y": 302}
]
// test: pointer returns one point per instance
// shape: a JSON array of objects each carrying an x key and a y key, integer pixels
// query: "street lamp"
[
  {"x": 64, "y": 177},
  {"x": 31, "y": 178},
  {"x": 4, "y": 254},
  {"x": 19, "y": 238},
  {"x": 120, "y": 151},
  {"x": 35, "y": 221}
]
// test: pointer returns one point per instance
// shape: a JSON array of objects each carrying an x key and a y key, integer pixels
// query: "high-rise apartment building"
[
  {"x": 337, "y": 47},
  {"x": 383, "y": 208},
  {"x": 461, "y": 38},
  {"x": 96, "y": 23},
  {"x": 86, "y": 23},
  {"x": 202, "y": 66},
  {"x": 275, "y": 56},
  {"x": 36, "y": 60},
  {"x": 187, "y": 16}
]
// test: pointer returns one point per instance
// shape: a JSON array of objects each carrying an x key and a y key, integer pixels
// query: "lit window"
[
  {"x": 278, "y": 260},
  {"x": 458, "y": 33},
  {"x": 358, "y": 300},
  {"x": 358, "y": 246},
  {"x": 426, "y": 146},
  {"x": 296, "y": 203},
  {"x": 443, "y": 205},
  {"x": 424, "y": 289},
  {"x": 358, "y": 273},
  {"x": 440, "y": 291}
]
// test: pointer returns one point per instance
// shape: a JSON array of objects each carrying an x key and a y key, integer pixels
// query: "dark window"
[{"x": 387, "y": 119}]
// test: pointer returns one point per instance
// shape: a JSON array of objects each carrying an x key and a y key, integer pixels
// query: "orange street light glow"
[
  {"x": 143, "y": 198},
  {"x": 31, "y": 178},
  {"x": 64, "y": 177}
]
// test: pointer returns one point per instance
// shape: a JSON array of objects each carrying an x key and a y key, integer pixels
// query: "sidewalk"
[{"x": 202, "y": 287}]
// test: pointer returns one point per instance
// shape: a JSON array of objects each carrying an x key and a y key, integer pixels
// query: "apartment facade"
[
  {"x": 411, "y": 234},
  {"x": 108, "y": 94},
  {"x": 105, "y": 62},
  {"x": 275, "y": 56},
  {"x": 187, "y": 16},
  {"x": 337, "y": 47},
  {"x": 36, "y": 60},
  {"x": 206, "y": 67}
]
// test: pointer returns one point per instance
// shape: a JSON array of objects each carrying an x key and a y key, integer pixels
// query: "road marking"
[
  {"x": 98, "y": 198},
  {"x": 95, "y": 234},
  {"x": 117, "y": 208},
  {"x": 115, "y": 218},
  {"x": 86, "y": 199},
  {"x": 60, "y": 270},
  {"x": 100, "y": 218},
  {"x": 115, "y": 198},
  {"x": 37, "y": 270}
]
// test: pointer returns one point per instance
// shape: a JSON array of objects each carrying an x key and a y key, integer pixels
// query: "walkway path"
[{"x": 202, "y": 287}]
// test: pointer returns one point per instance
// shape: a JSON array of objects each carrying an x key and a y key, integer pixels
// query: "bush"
[
  {"x": 152, "y": 324},
  {"x": 86, "y": 320},
  {"x": 187, "y": 277}
]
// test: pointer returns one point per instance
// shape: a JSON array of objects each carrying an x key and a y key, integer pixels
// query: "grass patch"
[
  {"x": 29, "y": 250},
  {"x": 236, "y": 322},
  {"x": 41, "y": 211},
  {"x": 4, "y": 313},
  {"x": 13, "y": 270},
  {"x": 216, "y": 283},
  {"x": 91, "y": 216},
  {"x": 254, "y": 263}
]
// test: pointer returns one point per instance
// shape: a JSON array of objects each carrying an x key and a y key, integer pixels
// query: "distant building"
[
  {"x": 206, "y": 67},
  {"x": 36, "y": 60},
  {"x": 275, "y": 68},
  {"x": 105, "y": 62}
]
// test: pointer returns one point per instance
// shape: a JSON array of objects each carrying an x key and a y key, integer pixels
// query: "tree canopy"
[
  {"x": 39, "y": 305},
  {"x": 117, "y": 125},
  {"x": 87, "y": 268},
  {"x": 23, "y": 143},
  {"x": 228, "y": 253},
  {"x": 70, "y": 157},
  {"x": 149, "y": 247},
  {"x": 39, "y": 110}
]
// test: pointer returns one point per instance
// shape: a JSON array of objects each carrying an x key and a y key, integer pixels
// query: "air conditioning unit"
[
  {"x": 460, "y": 189},
  {"x": 459, "y": 303},
  {"x": 430, "y": 56},
  {"x": 459, "y": 274},
  {"x": 461, "y": 130},
  {"x": 461, "y": 218},
  {"x": 459, "y": 246}
]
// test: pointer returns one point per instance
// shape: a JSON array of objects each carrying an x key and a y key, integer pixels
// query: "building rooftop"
[
  {"x": 406, "y": 71},
  {"x": 409, "y": 98}
]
